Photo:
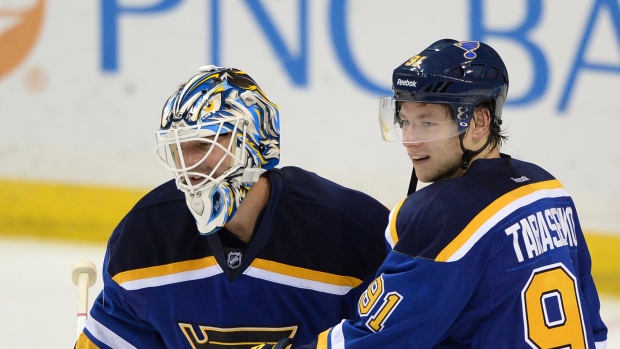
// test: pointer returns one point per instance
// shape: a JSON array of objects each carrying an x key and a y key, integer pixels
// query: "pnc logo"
[{"x": 19, "y": 30}]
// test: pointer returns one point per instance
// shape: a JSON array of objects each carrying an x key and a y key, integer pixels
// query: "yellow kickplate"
[
  {"x": 62, "y": 211},
  {"x": 89, "y": 214}
]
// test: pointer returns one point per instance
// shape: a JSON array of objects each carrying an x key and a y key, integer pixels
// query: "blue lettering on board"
[
  {"x": 294, "y": 58},
  {"x": 518, "y": 35},
  {"x": 580, "y": 62},
  {"x": 110, "y": 14}
]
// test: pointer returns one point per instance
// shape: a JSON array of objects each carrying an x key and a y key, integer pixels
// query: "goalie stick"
[{"x": 84, "y": 276}]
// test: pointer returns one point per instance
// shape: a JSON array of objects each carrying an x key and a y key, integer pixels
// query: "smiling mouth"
[{"x": 419, "y": 157}]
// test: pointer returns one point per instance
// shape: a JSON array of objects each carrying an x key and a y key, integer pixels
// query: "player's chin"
[
  {"x": 429, "y": 174},
  {"x": 423, "y": 176},
  {"x": 423, "y": 169}
]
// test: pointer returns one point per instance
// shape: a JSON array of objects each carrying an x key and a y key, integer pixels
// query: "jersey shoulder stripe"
[
  {"x": 301, "y": 277},
  {"x": 496, "y": 212},
  {"x": 452, "y": 214},
  {"x": 391, "y": 235},
  {"x": 168, "y": 274}
]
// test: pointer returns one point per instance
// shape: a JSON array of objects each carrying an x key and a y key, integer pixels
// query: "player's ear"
[{"x": 481, "y": 123}]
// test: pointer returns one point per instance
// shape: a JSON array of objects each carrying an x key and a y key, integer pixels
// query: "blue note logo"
[{"x": 469, "y": 47}]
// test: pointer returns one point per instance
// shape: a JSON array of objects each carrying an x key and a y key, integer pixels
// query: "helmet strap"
[
  {"x": 469, "y": 154},
  {"x": 413, "y": 182}
]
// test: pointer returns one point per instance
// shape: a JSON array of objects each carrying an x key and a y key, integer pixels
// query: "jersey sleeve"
[
  {"x": 592, "y": 302},
  {"x": 593, "y": 305},
  {"x": 396, "y": 312},
  {"x": 114, "y": 320}
]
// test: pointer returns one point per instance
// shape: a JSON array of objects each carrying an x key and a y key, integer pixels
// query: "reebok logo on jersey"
[
  {"x": 520, "y": 179},
  {"x": 410, "y": 83}
]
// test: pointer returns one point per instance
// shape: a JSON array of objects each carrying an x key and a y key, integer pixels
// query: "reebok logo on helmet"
[{"x": 409, "y": 83}]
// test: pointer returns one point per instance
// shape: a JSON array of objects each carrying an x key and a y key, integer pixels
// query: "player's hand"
[{"x": 282, "y": 344}]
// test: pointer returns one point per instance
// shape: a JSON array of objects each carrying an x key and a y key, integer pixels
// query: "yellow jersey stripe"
[
  {"x": 307, "y": 274},
  {"x": 391, "y": 234},
  {"x": 322, "y": 341},
  {"x": 84, "y": 342},
  {"x": 164, "y": 270},
  {"x": 485, "y": 215}
]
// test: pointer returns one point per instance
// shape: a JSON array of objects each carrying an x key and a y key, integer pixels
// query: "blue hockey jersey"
[
  {"x": 493, "y": 259},
  {"x": 167, "y": 286}
]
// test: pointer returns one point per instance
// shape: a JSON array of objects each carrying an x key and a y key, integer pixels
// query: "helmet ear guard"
[{"x": 215, "y": 102}]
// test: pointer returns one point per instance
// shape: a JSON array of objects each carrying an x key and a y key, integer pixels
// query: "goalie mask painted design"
[
  {"x": 459, "y": 74},
  {"x": 218, "y": 133}
]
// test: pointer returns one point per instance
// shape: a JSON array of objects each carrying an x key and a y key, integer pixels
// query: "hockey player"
[
  {"x": 234, "y": 251},
  {"x": 491, "y": 254}
]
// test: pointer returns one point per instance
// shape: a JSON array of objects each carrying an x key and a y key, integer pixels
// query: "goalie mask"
[
  {"x": 457, "y": 74},
  {"x": 218, "y": 133}
]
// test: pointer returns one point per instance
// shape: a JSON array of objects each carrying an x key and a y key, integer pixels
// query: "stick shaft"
[{"x": 82, "y": 309}]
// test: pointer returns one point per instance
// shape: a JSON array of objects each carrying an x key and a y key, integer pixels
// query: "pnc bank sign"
[
  {"x": 294, "y": 62},
  {"x": 19, "y": 34},
  {"x": 18, "y": 40}
]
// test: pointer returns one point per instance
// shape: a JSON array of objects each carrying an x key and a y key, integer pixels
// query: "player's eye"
[{"x": 204, "y": 146}]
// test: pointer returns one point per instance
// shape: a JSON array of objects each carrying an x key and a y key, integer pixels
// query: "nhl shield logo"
[{"x": 234, "y": 260}]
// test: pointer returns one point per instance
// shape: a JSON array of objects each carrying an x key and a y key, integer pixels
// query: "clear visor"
[
  {"x": 201, "y": 154},
  {"x": 416, "y": 127}
]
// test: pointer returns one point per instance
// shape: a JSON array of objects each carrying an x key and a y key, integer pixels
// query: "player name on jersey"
[{"x": 543, "y": 231}]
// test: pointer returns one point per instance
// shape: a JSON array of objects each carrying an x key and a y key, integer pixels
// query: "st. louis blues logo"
[{"x": 469, "y": 47}]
